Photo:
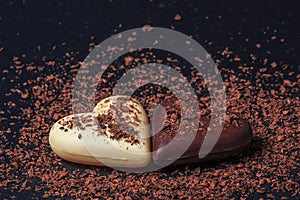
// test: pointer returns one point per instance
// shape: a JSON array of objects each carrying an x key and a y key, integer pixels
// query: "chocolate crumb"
[
  {"x": 107, "y": 123},
  {"x": 177, "y": 17}
]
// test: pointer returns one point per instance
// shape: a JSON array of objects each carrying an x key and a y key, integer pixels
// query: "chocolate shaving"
[{"x": 108, "y": 123}]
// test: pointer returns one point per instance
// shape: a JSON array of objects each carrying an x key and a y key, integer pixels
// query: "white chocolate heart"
[{"x": 116, "y": 134}]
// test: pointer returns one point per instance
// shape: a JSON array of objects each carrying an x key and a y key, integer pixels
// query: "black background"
[{"x": 26, "y": 24}]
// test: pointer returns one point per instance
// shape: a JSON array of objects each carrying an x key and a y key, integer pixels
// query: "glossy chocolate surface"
[{"x": 235, "y": 137}]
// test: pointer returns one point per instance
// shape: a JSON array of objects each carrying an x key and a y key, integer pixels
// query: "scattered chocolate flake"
[
  {"x": 125, "y": 130},
  {"x": 25, "y": 94},
  {"x": 177, "y": 17},
  {"x": 128, "y": 60},
  {"x": 273, "y": 64}
]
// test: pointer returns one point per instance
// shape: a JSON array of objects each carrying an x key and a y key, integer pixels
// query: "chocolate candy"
[
  {"x": 98, "y": 138},
  {"x": 117, "y": 134},
  {"x": 235, "y": 137}
]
